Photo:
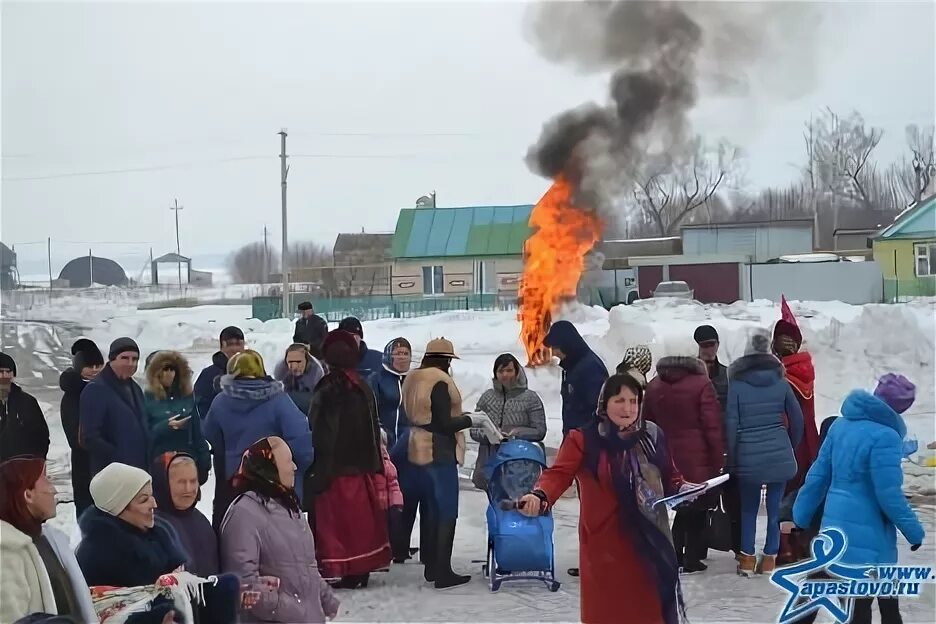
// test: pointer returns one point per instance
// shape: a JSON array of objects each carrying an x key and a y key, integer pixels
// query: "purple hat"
[{"x": 897, "y": 391}]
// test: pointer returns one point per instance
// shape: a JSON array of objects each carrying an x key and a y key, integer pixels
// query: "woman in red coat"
[
  {"x": 622, "y": 465},
  {"x": 801, "y": 375}
]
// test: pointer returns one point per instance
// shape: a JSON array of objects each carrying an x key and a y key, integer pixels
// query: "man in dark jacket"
[
  {"x": 311, "y": 329},
  {"x": 86, "y": 364},
  {"x": 23, "y": 428},
  {"x": 682, "y": 401},
  {"x": 112, "y": 412},
  {"x": 206, "y": 386},
  {"x": 583, "y": 375},
  {"x": 369, "y": 360},
  {"x": 707, "y": 338}
]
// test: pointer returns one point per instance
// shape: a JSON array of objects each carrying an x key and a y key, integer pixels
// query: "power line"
[{"x": 75, "y": 174}]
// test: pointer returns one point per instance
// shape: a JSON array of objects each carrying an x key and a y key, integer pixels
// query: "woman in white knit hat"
[{"x": 124, "y": 543}]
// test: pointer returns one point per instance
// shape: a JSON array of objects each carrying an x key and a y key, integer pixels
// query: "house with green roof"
[
  {"x": 906, "y": 252},
  {"x": 474, "y": 250}
]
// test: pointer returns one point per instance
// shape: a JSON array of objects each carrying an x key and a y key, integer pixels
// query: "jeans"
[
  {"x": 889, "y": 607},
  {"x": 750, "y": 504}
]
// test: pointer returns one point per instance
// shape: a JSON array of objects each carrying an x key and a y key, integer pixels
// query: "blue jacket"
[
  {"x": 387, "y": 385},
  {"x": 248, "y": 410},
  {"x": 370, "y": 361},
  {"x": 583, "y": 375},
  {"x": 858, "y": 473},
  {"x": 760, "y": 440},
  {"x": 113, "y": 425},
  {"x": 206, "y": 388}
]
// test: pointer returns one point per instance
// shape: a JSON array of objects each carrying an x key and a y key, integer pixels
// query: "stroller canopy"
[{"x": 514, "y": 470}]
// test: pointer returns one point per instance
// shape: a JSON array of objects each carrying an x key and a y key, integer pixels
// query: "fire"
[{"x": 554, "y": 257}]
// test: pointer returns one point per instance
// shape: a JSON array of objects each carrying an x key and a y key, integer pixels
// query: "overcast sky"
[{"x": 386, "y": 102}]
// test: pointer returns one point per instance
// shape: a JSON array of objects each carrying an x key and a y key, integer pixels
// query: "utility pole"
[
  {"x": 266, "y": 257},
  {"x": 49, "y": 250},
  {"x": 284, "y": 262},
  {"x": 176, "y": 208}
]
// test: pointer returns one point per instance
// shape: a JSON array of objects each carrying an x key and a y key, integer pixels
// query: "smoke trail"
[{"x": 660, "y": 53}]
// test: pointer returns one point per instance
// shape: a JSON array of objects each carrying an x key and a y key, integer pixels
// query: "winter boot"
[
  {"x": 766, "y": 564},
  {"x": 428, "y": 546},
  {"x": 746, "y": 564},
  {"x": 445, "y": 578},
  {"x": 572, "y": 571},
  {"x": 786, "y": 556}
]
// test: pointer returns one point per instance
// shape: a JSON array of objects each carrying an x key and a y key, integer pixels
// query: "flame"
[{"x": 554, "y": 258}]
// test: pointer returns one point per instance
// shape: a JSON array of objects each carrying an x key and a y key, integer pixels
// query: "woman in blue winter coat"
[
  {"x": 251, "y": 406},
  {"x": 858, "y": 475},
  {"x": 763, "y": 424},
  {"x": 387, "y": 384}
]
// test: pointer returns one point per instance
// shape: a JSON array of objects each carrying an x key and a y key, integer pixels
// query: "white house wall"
[{"x": 850, "y": 282}]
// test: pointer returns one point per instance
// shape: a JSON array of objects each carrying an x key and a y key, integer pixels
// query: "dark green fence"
[
  {"x": 903, "y": 289},
  {"x": 373, "y": 308}
]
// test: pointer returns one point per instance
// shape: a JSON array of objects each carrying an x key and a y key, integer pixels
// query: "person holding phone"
[{"x": 172, "y": 415}]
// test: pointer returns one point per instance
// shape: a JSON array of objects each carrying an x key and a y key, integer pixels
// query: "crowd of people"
[{"x": 321, "y": 469}]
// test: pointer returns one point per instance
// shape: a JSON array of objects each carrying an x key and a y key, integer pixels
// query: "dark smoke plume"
[{"x": 660, "y": 52}]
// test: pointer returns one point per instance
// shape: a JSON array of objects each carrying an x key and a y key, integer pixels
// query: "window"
[
  {"x": 485, "y": 278},
  {"x": 433, "y": 280},
  {"x": 925, "y": 254}
]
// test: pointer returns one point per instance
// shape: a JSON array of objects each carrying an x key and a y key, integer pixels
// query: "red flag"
[{"x": 786, "y": 313}]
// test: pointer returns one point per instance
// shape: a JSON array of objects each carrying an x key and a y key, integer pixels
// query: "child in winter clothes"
[
  {"x": 857, "y": 479},
  {"x": 390, "y": 497}
]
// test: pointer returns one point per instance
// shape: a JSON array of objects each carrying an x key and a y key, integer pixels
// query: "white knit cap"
[{"x": 113, "y": 488}]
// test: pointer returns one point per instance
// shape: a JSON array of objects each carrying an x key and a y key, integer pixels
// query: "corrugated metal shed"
[
  {"x": 461, "y": 232},
  {"x": 762, "y": 240}
]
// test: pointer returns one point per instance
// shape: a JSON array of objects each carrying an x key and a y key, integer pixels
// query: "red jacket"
[
  {"x": 802, "y": 378},
  {"x": 682, "y": 401}
]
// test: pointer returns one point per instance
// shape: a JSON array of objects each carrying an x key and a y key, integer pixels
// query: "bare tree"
[
  {"x": 305, "y": 254},
  {"x": 671, "y": 188},
  {"x": 248, "y": 265},
  {"x": 839, "y": 151},
  {"x": 919, "y": 175}
]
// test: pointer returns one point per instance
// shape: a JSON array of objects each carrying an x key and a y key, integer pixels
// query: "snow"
[{"x": 851, "y": 347}]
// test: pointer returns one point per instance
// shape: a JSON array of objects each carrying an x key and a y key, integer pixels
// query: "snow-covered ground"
[{"x": 851, "y": 345}]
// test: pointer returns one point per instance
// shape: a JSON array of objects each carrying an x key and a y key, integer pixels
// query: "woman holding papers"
[
  {"x": 513, "y": 408},
  {"x": 623, "y": 467}
]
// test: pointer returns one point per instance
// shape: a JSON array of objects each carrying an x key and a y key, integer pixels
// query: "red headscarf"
[{"x": 16, "y": 476}]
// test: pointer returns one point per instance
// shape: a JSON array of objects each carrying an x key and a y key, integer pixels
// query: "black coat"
[
  {"x": 72, "y": 385},
  {"x": 311, "y": 331},
  {"x": 718, "y": 374},
  {"x": 113, "y": 422},
  {"x": 345, "y": 431},
  {"x": 23, "y": 428},
  {"x": 114, "y": 552}
]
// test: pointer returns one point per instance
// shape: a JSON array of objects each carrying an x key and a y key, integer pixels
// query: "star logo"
[{"x": 827, "y": 550}]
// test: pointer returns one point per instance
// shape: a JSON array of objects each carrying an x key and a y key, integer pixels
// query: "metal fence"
[
  {"x": 896, "y": 290},
  {"x": 333, "y": 309}
]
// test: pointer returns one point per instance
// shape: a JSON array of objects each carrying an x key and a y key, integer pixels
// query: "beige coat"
[{"x": 25, "y": 587}]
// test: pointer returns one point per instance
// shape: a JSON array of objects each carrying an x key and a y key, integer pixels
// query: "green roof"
[
  {"x": 918, "y": 221},
  {"x": 461, "y": 232}
]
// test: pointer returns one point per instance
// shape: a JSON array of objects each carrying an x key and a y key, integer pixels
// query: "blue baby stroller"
[{"x": 519, "y": 548}]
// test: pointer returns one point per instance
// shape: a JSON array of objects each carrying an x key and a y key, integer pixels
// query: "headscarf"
[
  {"x": 654, "y": 547},
  {"x": 162, "y": 492},
  {"x": 16, "y": 476},
  {"x": 258, "y": 473},
  {"x": 247, "y": 364}
]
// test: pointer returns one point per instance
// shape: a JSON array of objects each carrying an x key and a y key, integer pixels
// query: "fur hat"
[
  {"x": 305, "y": 305},
  {"x": 705, "y": 333},
  {"x": 758, "y": 342},
  {"x": 90, "y": 356},
  {"x": 247, "y": 364},
  {"x": 115, "y": 487},
  {"x": 340, "y": 350}
]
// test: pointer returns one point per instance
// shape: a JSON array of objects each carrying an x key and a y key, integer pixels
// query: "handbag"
[{"x": 717, "y": 532}]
